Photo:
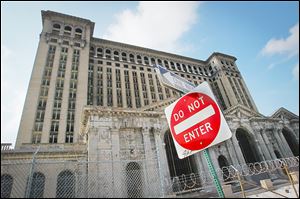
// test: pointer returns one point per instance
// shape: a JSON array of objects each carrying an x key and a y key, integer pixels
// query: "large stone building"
[{"x": 102, "y": 101}]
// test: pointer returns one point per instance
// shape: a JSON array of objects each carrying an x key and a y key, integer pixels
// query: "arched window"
[
  {"x": 139, "y": 59},
  {"x": 146, "y": 60},
  {"x": 56, "y": 26},
  {"x": 99, "y": 52},
  {"x": 159, "y": 62},
  {"x": 205, "y": 72},
  {"x": 6, "y": 185},
  {"x": 37, "y": 185},
  {"x": 178, "y": 66},
  {"x": 78, "y": 33},
  {"x": 131, "y": 57},
  {"x": 124, "y": 56},
  {"x": 200, "y": 71},
  {"x": 153, "y": 61},
  {"x": 65, "y": 187},
  {"x": 116, "y": 56},
  {"x": 195, "y": 70},
  {"x": 172, "y": 65},
  {"x": 67, "y": 30},
  {"x": 166, "y": 64},
  {"x": 134, "y": 180},
  {"x": 190, "y": 69},
  {"x": 184, "y": 68},
  {"x": 56, "y": 29},
  {"x": 108, "y": 54}
]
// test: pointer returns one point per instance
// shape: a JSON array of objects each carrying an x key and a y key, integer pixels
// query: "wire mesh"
[{"x": 81, "y": 176}]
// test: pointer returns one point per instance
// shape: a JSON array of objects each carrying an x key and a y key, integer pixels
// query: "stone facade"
[{"x": 103, "y": 99}]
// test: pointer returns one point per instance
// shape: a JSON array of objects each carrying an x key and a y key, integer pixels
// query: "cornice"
[{"x": 141, "y": 50}]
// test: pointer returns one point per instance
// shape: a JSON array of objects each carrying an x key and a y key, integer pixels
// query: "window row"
[
  {"x": 65, "y": 185},
  {"x": 67, "y": 30},
  {"x": 138, "y": 59}
]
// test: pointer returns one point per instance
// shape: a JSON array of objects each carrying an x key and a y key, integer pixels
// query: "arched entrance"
[
  {"x": 179, "y": 167},
  {"x": 223, "y": 164},
  {"x": 291, "y": 140},
  {"x": 134, "y": 180},
  {"x": 65, "y": 187},
  {"x": 37, "y": 185},
  {"x": 6, "y": 185},
  {"x": 247, "y": 145}
]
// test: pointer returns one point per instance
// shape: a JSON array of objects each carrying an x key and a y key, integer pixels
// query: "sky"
[{"x": 263, "y": 36}]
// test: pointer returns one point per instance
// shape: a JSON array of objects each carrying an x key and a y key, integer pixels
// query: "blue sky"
[{"x": 263, "y": 36}]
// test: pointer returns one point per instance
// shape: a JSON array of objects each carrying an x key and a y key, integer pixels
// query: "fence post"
[
  {"x": 240, "y": 180},
  {"x": 159, "y": 169},
  {"x": 290, "y": 179},
  {"x": 27, "y": 194}
]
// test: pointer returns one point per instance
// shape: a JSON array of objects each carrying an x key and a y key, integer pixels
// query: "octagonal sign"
[{"x": 196, "y": 121}]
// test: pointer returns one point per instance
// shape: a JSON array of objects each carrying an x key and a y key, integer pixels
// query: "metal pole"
[
  {"x": 291, "y": 180},
  {"x": 240, "y": 180},
  {"x": 213, "y": 174},
  {"x": 27, "y": 194},
  {"x": 159, "y": 167},
  {"x": 241, "y": 183}
]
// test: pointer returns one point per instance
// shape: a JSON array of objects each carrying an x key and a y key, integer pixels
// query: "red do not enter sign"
[{"x": 195, "y": 121}]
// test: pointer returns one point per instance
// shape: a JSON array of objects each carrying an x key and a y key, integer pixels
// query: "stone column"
[
  {"x": 285, "y": 145},
  {"x": 117, "y": 169},
  {"x": 151, "y": 173},
  {"x": 269, "y": 146},
  {"x": 124, "y": 101},
  {"x": 280, "y": 143},
  {"x": 263, "y": 145},
  {"x": 132, "y": 89},
  {"x": 238, "y": 150},
  {"x": 163, "y": 167},
  {"x": 114, "y": 87},
  {"x": 92, "y": 157},
  {"x": 155, "y": 87},
  {"x": 259, "y": 144},
  {"x": 147, "y": 144},
  {"x": 231, "y": 152},
  {"x": 148, "y": 87},
  {"x": 140, "y": 89},
  {"x": 104, "y": 73}
]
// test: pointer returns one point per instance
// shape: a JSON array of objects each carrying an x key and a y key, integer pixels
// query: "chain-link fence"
[{"x": 80, "y": 177}]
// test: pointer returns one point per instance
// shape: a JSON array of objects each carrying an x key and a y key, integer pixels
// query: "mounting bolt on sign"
[{"x": 196, "y": 121}]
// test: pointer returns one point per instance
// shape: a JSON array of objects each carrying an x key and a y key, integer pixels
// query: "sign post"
[{"x": 195, "y": 120}]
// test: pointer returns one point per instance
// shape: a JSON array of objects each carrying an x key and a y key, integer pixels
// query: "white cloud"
[
  {"x": 157, "y": 25},
  {"x": 296, "y": 72},
  {"x": 288, "y": 46}
]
